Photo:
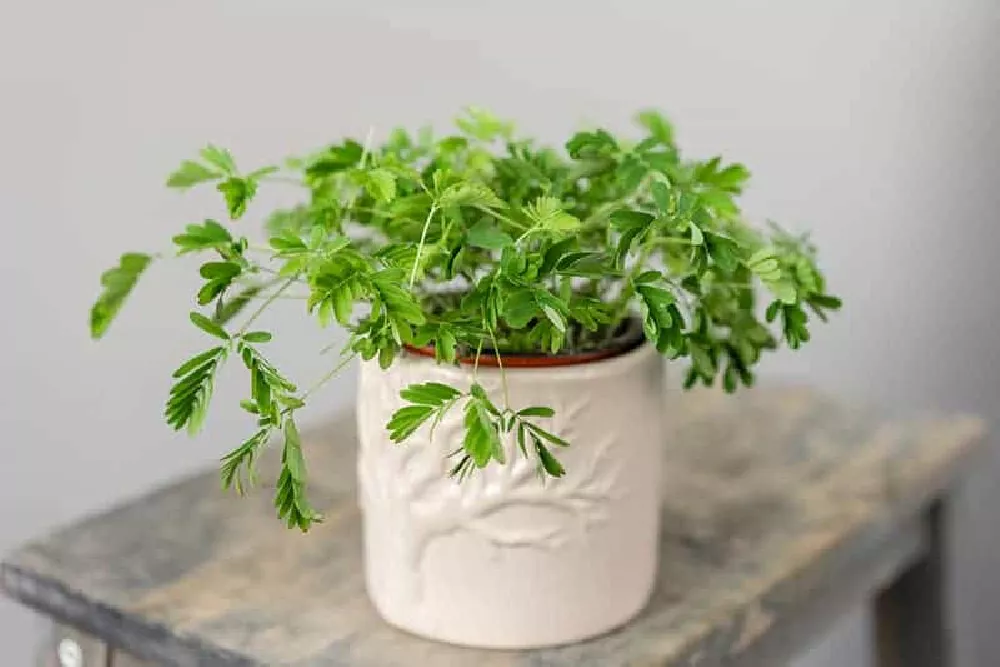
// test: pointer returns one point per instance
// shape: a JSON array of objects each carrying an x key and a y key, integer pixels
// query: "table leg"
[{"x": 913, "y": 622}]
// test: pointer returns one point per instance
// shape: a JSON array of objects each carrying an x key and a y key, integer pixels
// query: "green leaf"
[
  {"x": 223, "y": 270},
  {"x": 209, "y": 235},
  {"x": 625, "y": 242},
  {"x": 212, "y": 289},
  {"x": 647, "y": 277},
  {"x": 536, "y": 411},
  {"x": 660, "y": 190},
  {"x": 628, "y": 219},
  {"x": 196, "y": 361},
  {"x": 257, "y": 337},
  {"x": 405, "y": 421},
  {"x": 554, "y": 253},
  {"x": 293, "y": 460},
  {"x": 731, "y": 179},
  {"x": 764, "y": 263},
  {"x": 190, "y": 174},
  {"x": 631, "y": 173},
  {"x": 238, "y": 466},
  {"x": 482, "y": 440},
  {"x": 591, "y": 145},
  {"x": 546, "y": 435},
  {"x": 585, "y": 265},
  {"x": 335, "y": 159},
  {"x": 290, "y": 492},
  {"x": 519, "y": 308},
  {"x": 784, "y": 290},
  {"x": 445, "y": 345},
  {"x": 117, "y": 284},
  {"x": 263, "y": 172},
  {"x": 772, "y": 310},
  {"x": 238, "y": 193},
  {"x": 826, "y": 301},
  {"x": 483, "y": 125},
  {"x": 729, "y": 380},
  {"x": 220, "y": 158},
  {"x": 288, "y": 244},
  {"x": 697, "y": 238},
  {"x": 191, "y": 394},
  {"x": 208, "y": 326},
  {"x": 658, "y": 126},
  {"x": 484, "y": 235},
  {"x": 521, "y": 440},
  {"x": 479, "y": 393},
  {"x": 547, "y": 213},
  {"x": 399, "y": 304},
  {"x": 227, "y": 310},
  {"x": 469, "y": 194},
  {"x": 429, "y": 393},
  {"x": 549, "y": 463},
  {"x": 554, "y": 310},
  {"x": 555, "y": 317},
  {"x": 381, "y": 184}
]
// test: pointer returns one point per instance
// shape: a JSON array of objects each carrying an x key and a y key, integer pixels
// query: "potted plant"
[{"x": 512, "y": 305}]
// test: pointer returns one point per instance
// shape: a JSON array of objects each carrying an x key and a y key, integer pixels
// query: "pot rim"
[{"x": 628, "y": 340}]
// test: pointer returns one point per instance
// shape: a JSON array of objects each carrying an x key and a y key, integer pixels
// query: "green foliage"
[
  {"x": 209, "y": 235},
  {"x": 487, "y": 426},
  {"x": 290, "y": 498},
  {"x": 238, "y": 468},
  {"x": 192, "y": 391},
  {"x": 117, "y": 284},
  {"x": 481, "y": 243}
]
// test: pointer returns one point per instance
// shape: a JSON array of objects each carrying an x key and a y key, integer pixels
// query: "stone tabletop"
[{"x": 767, "y": 495}]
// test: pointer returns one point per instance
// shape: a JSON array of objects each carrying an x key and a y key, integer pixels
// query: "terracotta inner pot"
[{"x": 629, "y": 337}]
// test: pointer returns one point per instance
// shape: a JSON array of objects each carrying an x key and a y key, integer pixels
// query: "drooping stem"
[{"x": 503, "y": 372}]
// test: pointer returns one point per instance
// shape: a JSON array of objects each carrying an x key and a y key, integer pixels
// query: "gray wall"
[{"x": 873, "y": 123}]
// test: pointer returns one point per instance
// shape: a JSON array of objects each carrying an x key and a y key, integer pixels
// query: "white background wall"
[{"x": 872, "y": 123}]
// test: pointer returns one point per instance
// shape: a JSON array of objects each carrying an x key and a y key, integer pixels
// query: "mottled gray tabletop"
[{"x": 773, "y": 501}]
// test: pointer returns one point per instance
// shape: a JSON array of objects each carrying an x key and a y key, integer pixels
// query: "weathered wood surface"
[{"x": 770, "y": 498}]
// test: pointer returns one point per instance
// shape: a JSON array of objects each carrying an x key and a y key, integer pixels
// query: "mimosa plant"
[{"x": 478, "y": 243}]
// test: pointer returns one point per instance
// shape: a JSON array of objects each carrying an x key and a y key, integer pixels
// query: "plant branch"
[
  {"x": 329, "y": 375},
  {"x": 420, "y": 246},
  {"x": 267, "y": 302}
]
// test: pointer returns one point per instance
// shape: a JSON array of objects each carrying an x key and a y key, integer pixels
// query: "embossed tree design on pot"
[{"x": 413, "y": 486}]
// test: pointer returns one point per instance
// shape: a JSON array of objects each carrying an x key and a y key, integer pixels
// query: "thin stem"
[
  {"x": 420, "y": 246},
  {"x": 282, "y": 297},
  {"x": 475, "y": 365},
  {"x": 365, "y": 152},
  {"x": 267, "y": 302},
  {"x": 273, "y": 272},
  {"x": 628, "y": 288},
  {"x": 503, "y": 372},
  {"x": 525, "y": 235},
  {"x": 329, "y": 375},
  {"x": 500, "y": 216}
]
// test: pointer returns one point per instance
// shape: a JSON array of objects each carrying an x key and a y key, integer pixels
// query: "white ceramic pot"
[{"x": 504, "y": 559}]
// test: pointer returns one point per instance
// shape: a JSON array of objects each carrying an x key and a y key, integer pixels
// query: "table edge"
[{"x": 145, "y": 639}]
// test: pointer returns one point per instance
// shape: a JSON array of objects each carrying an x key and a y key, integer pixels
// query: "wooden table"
[{"x": 782, "y": 509}]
